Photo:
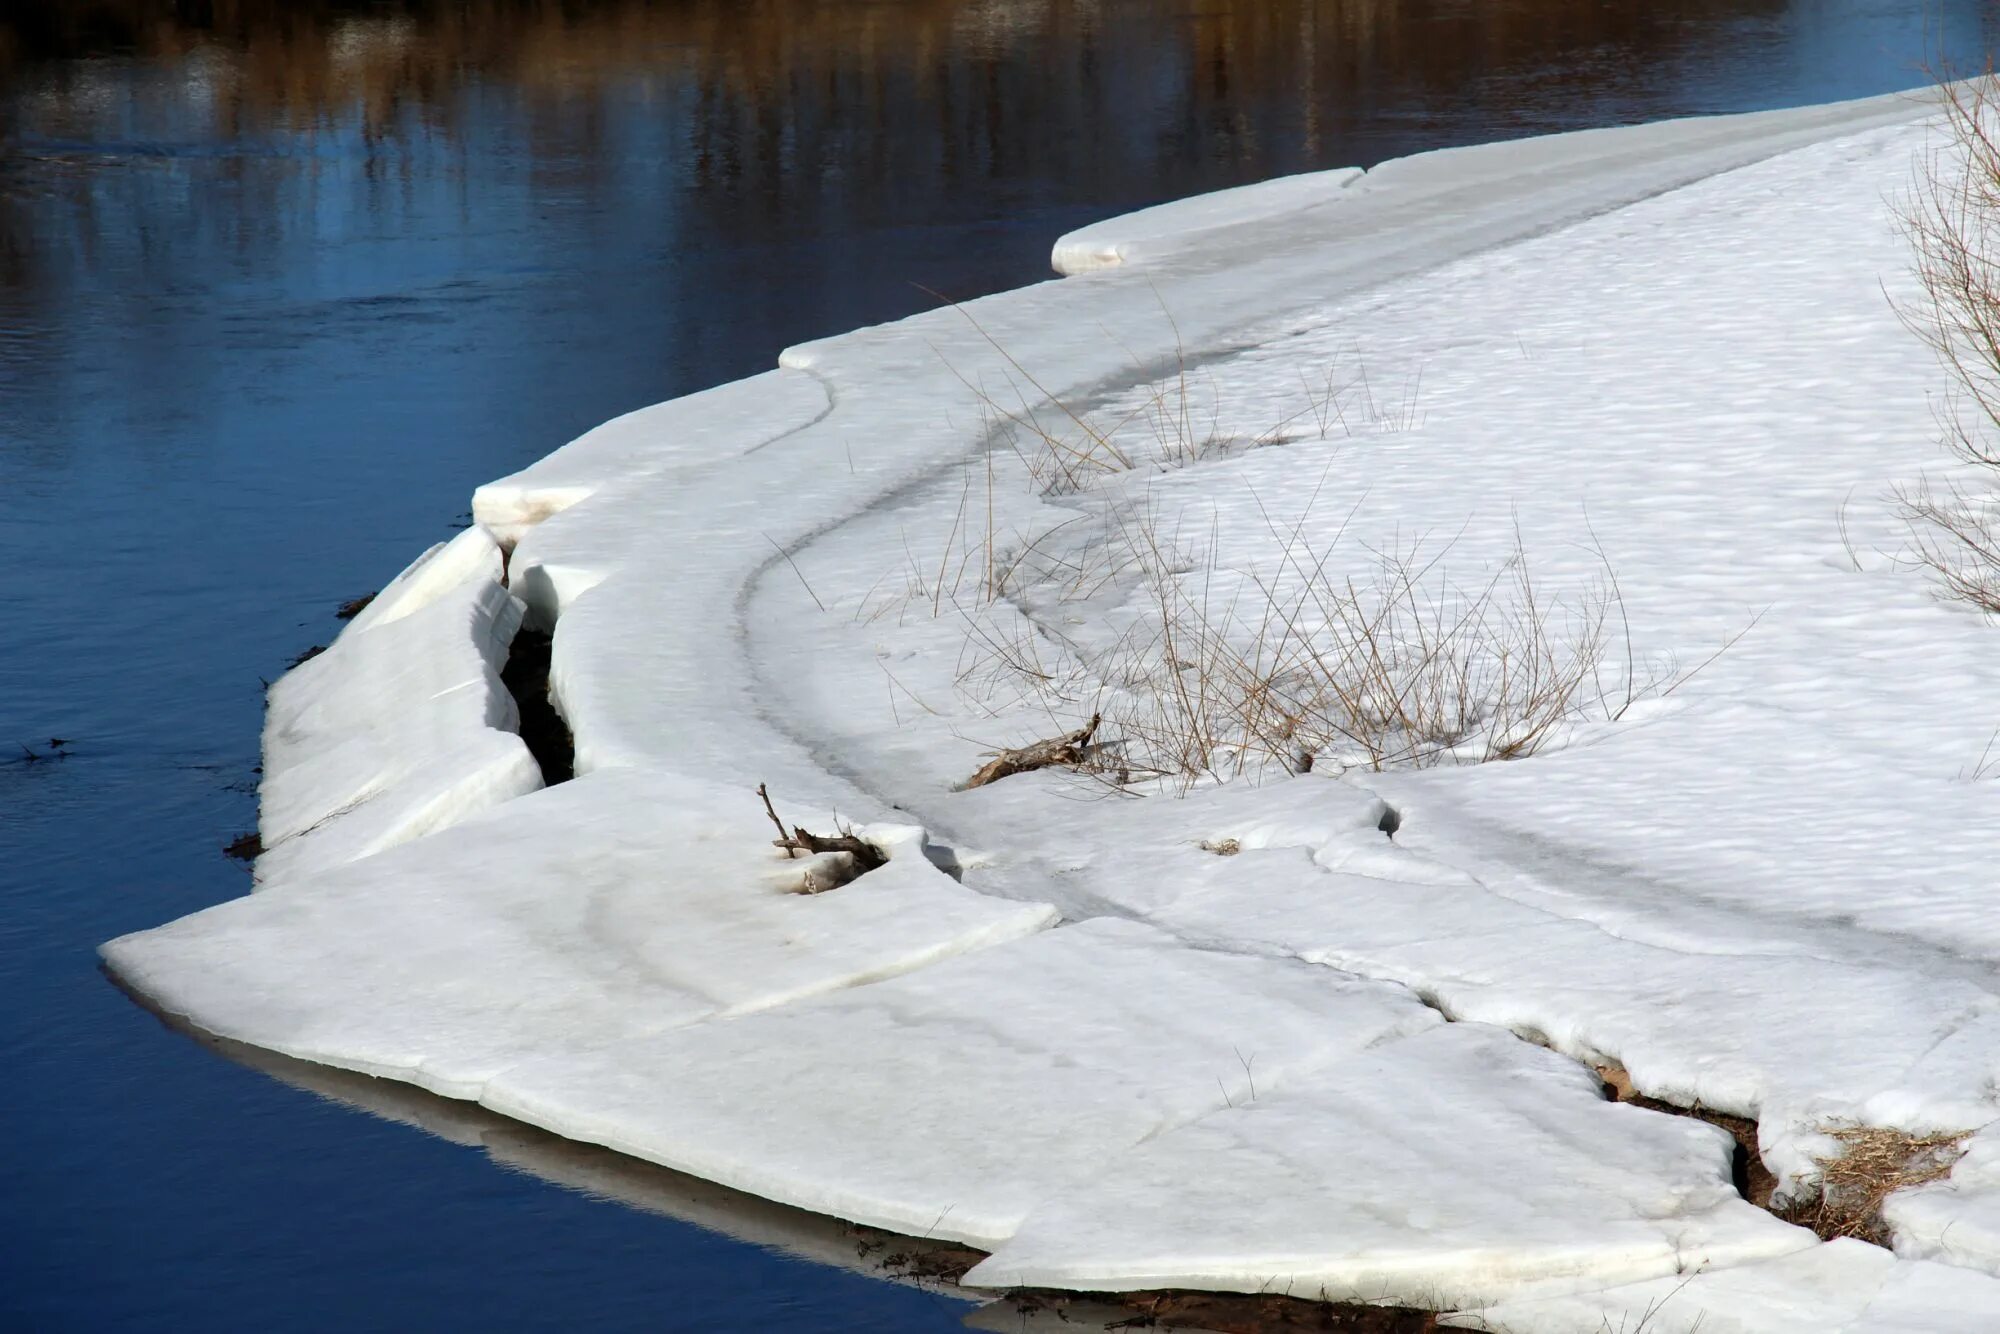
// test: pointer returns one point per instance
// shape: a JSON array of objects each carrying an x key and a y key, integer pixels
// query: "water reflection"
[
  {"x": 777, "y": 111},
  {"x": 179, "y": 152},
  {"x": 604, "y": 1175}
]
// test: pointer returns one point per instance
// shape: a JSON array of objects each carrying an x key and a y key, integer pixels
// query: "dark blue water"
[{"x": 281, "y": 282}]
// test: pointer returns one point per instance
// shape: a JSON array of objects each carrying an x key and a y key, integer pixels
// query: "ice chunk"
[
  {"x": 469, "y": 557},
  {"x": 950, "y": 1102},
  {"x": 1956, "y": 1220},
  {"x": 403, "y": 726},
  {"x": 1790, "y": 1040}
]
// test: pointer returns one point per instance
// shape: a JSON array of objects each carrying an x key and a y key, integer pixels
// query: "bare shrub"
[
  {"x": 1220, "y": 675},
  {"x": 1953, "y": 222}
]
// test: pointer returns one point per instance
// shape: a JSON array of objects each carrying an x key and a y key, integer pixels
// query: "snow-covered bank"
[{"x": 1659, "y": 356}]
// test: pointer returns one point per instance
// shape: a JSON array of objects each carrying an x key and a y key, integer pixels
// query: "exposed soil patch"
[
  {"x": 526, "y": 677},
  {"x": 353, "y": 607},
  {"x": 1220, "y": 1312},
  {"x": 908, "y": 1257},
  {"x": 306, "y": 656}
]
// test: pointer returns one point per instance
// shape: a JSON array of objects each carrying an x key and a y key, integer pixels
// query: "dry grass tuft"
[
  {"x": 1871, "y": 1165},
  {"x": 1220, "y": 674}
]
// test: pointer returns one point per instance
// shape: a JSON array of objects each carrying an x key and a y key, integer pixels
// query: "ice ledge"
[
  {"x": 1135, "y": 236},
  {"x": 1248, "y": 219}
]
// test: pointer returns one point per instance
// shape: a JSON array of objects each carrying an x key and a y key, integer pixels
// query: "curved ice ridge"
[{"x": 625, "y": 960}]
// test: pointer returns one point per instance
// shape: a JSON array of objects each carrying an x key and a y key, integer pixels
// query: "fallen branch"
[
  {"x": 1063, "y": 752},
  {"x": 866, "y": 856}
]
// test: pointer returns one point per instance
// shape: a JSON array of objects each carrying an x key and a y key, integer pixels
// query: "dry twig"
[
  {"x": 862, "y": 855},
  {"x": 1062, "y": 752}
]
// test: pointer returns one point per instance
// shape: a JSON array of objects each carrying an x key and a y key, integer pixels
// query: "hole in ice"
[
  {"x": 945, "y": 859},
  {"x": 526, "y": 677},
  {"x": 828, "y": 870}
]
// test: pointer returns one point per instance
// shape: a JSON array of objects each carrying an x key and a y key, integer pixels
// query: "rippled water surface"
[{"x": 281, "y": 282}]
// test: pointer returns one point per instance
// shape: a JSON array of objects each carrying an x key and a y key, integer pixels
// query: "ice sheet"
[
  {"x": 947, "y": 1103},
  {"x": 1843, "y": 1287},
  {"x": 703, "y": 428},
  {"x": 614, "y": 905},
  {"x": 1455, "y": 1168}
]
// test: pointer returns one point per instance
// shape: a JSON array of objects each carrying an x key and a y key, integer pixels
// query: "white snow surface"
[
  {"x": 1843, "y": 1287},
  {"x": 627, "y": 903},
  {"x": 1753, "y": 869},
  {"x": 682, "y": 432},
  {"x": 948, "y": 1102},
  {"x": 1493, "y": 1167}
]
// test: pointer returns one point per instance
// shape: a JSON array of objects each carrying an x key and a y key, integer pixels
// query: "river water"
[{"x": 281, "y": 282}]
